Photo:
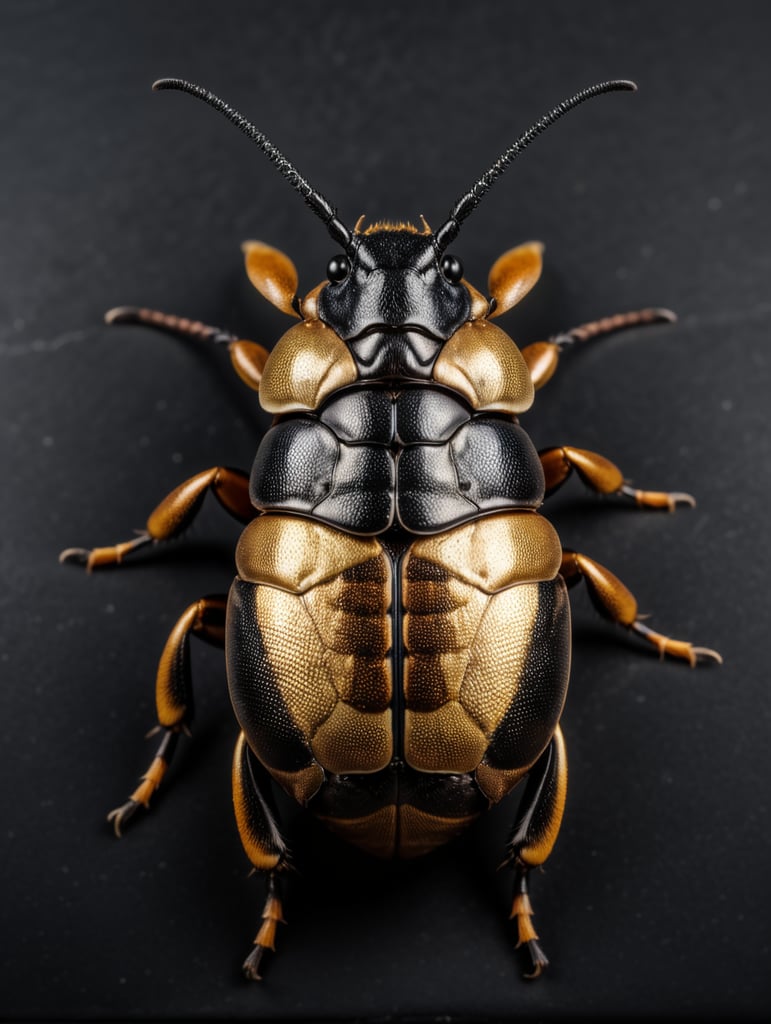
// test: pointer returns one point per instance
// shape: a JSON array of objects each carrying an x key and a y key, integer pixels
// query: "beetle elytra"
[{"x": 398, "y": 633}]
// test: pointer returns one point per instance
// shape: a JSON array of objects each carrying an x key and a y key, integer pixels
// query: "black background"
[{"x": 656, "y": 899}]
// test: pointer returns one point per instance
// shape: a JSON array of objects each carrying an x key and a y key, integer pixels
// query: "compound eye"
[
  {"x": 338, "y": 269},
  {"x": 452, "y": 268}
]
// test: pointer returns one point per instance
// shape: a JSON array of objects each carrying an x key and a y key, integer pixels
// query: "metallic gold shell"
[
  {"x": 321, "y": 604},
  {"x": 308, "y": 363},
  {"x": 471, "y": 599},
  {"x": 482, "y": 363}
]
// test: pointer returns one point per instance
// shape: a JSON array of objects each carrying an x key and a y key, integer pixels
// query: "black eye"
[
  {"x": 338, "y": 269},
  {"x": 452, "y": 268}
]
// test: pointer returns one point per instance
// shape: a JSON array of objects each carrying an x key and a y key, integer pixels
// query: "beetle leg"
[
  {"x": 542, "y": 357},
  {"x": 603, "y": 477},
  {"x": 174, "y": 696},
  {"x": 533, "y": 837},
  {"x": 614, "y": 601},
  {"x": 257, "y": 820},
  {"x": 174, "y": 514},
  {"x": 248, "y": 358}
]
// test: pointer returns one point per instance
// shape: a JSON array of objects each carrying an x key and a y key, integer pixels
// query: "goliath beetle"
[{"x": 398, "y": 634}]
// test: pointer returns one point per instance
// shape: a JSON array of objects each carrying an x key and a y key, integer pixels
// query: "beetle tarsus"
[
  {"x": 120, "y": 816},
  {"x": 658, "y": 499},
  {"x": 272, "y": 916},
  {"x": 251, "y": 966},
  {"x": 676, "y": 648},
  {"x": 95, "y": 558},
  {"x": 150, "y": 781},
  {"x": 522, "y": 912},
  {"x": 538, "y": 959},
  {"x": 75, "y": 556}
]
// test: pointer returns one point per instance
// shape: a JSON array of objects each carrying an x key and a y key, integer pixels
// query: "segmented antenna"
[
  {"x": 320, "y": 206},
  {"x": 470, "y": 200}
]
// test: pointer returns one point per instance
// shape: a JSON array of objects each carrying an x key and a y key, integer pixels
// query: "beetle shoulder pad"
[
  {"x": 308, "y": 363},
  {"x": 482, "y": 363}
]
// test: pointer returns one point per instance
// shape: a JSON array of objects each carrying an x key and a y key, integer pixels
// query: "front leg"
[
  {"x": 248, "y": 358},
  {"x": 542, "y": 357}
]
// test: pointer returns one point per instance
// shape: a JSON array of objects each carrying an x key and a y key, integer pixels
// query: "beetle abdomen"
[{"x": 398, "y": 735}]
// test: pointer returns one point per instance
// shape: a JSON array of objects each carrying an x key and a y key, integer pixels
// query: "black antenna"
[
  {"x": 320, "y": 206},
  {"x": 470, "y": 200}
]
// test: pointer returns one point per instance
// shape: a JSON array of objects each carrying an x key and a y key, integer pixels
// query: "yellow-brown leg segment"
[
  {"x": 257, "y": 820},
  {"x": 603, "y": 477},
  {"x": 248, "y": 358},
  {"x": 174, "y": 514},
  {"x": 542, "y": 357},
  {"x": 615, "y": 602},
  {"x": 533, "y": 837},
  {"x": 174, "y": 696}
]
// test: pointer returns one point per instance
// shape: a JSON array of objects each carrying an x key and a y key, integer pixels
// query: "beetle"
[{"x": 397, "y": 635}]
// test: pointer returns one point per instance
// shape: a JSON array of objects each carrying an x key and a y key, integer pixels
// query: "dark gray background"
[{"x": 656, "y": 898}]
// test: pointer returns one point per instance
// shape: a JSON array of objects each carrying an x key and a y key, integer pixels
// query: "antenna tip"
[
  {"x": 626, "y": 83},
  {"x": 161, "y": 83}
]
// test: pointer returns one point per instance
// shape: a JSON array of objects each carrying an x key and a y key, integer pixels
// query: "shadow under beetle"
[{"x": 398, "y": 634}]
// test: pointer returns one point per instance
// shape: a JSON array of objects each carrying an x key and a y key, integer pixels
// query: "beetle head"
[
  {"x": 393, "y": 277},
  {"x": 389, "y": 278}
]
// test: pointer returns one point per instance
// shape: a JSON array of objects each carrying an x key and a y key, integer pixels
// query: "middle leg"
[
  {"x": 174, "y": 514},
  {"x": 615, "y": 602},
  {"x": 603, "y": 477}
]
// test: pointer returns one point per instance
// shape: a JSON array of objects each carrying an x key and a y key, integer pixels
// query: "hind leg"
[
  {"x": 533, "y": 837},
  {"x": 257, "y": 820},
  {"x": 174, "y": 697}
]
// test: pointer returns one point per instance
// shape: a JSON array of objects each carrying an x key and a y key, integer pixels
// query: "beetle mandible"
[{"x": 398, "y": 634}]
